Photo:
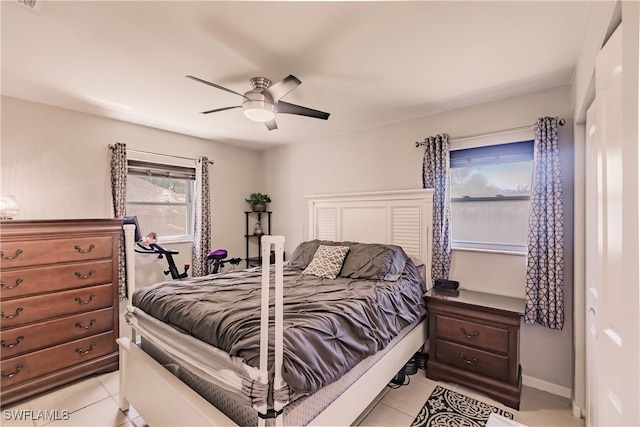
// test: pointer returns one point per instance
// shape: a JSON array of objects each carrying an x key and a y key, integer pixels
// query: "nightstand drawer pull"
[
  {"x": 82, "y": 352},
  {"x": 11, "y": 316},
  {"x": 79, "y": 300},
  {"x": 5, "y": 345},
  {"x": 18, "y": 281},
  {"x": 18, "y": 252},
  {"x": 467, "y": 361},
  {"x": 82, "y": 276},
  {"x": 472, "y": 336},
  {"x": 79, "y": 324},
  {"x": 12, "y": 374},
  {"x": 79, "y": 249}
]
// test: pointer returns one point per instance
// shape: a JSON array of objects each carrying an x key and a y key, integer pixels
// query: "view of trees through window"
[
  {"x": 500, "y": 180},
  {"x": 490, "y": 194},
  {"x": 161, "y": 204}
]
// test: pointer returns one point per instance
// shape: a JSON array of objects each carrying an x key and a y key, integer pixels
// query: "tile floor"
[{"x": 93, "y": 402}]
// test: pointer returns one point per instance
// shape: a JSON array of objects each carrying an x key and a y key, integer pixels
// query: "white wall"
[
  {"x": 56, "y": 163},
  {"x": 385, "y": 158}
]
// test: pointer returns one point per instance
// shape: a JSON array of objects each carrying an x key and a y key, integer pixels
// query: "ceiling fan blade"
[
  {"x": 271, "y": 124},
  {"x": 282, "y": 87},
  {"x": 221, "y": 109},
  {"x": 286, "y": 108},
  {"x": 216, "y": 86}
]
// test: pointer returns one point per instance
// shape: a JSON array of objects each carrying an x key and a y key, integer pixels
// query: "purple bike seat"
[{"x": 217, "y": 254}]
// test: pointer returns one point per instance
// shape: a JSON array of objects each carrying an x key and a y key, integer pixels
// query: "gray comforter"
[{"x": 329, "y": 325}]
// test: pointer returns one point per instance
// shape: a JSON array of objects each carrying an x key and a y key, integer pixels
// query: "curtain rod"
[
  {"x": 561, "y": 122},
  {"x": 211, "y": 162}
]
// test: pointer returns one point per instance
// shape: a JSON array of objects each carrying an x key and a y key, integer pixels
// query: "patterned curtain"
[
  {"x": 545, "y": 258},
  {"x": 435, "y": 174},
  {"x": 202, "y": 219},
  {"x": 119, "y": 198}
]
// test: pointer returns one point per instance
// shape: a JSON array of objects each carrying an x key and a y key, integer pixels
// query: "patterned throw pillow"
[{"x": 327, "y": 261}]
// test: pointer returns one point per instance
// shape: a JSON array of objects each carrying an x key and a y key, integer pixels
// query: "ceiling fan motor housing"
[{"x": 259, "y": 106}]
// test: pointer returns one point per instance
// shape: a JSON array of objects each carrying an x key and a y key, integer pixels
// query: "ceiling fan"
[{"x": 262, "y": 103}]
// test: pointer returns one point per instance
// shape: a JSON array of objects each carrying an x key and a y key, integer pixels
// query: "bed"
[{"x": 284, "y": 355}]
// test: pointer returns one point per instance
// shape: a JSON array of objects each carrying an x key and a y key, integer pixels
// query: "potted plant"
[{"x": 258, "y": 201}]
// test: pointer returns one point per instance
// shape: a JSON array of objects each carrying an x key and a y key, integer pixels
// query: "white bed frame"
[{"x": 395, "y": 217}]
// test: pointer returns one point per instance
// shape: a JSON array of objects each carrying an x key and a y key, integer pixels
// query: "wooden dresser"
[
  {"x": 474, "y": 340},
  {"x": 59, "y": 303}
]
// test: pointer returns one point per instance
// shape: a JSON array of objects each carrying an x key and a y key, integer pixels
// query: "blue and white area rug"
[{"x": 446, "y": 408}]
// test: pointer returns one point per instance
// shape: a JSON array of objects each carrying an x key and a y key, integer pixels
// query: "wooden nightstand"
[{"x": 474, "y": 340}]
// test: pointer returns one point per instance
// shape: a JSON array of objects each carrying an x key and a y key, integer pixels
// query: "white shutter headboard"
[{"x": 400, "y": 217}]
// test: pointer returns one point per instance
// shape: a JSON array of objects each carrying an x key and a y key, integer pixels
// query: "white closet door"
[
  {"x": 613, "y": 284},
  {"x": 594, "y": 254}
]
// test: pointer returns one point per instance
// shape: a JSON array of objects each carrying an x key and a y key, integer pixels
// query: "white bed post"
[
  {"x": 129, "y": 241},
  {"x": 278, "y": 245}
]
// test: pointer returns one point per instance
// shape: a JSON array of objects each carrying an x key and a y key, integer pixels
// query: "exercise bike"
[
  {"x": 148, "y": 245},
  {"x": 215, "y": 259}
]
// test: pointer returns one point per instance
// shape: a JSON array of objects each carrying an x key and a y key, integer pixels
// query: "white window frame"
[
  {"x": 160, "y": 167},
  {"x": 484, "y": 141}
]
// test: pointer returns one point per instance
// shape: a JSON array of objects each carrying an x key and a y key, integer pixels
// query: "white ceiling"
[{"x": 366, "y": 63}]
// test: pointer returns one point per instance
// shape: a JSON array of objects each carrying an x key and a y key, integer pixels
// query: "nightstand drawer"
[
  {"x": 51, "y": 251},
  {"x": 23, "y": 339},
  {"x": 23, "y": 368},
  {"x": 38, "y": 280},
  {"x": 471, "y": 359},
  {"x": 21, "y": 311},
  {"x": 473, "y": 334}
]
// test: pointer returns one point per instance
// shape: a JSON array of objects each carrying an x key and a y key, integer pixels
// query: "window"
[
  {"x": 161, "y": 196},
  {"x": 490, "y": 192}
]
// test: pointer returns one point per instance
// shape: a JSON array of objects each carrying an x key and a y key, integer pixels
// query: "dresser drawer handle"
[
  {"x": 18, "y": 253},
  {"x": 79, "y": 300},
  {"x": 82, "y": 352},
  {"x": 467, "y": 361},
  {"x": 5, "y": 345},
  {"x": 79, "y": 249},
  {"x": 18, "y": 281},
  {"x": 79, "y": 324},
  {"x": 11, "y": 316},
  {"x": 472, "y": 336},
  {"x": 12, "y": 374},
  {"x": 83, "y": 276}
]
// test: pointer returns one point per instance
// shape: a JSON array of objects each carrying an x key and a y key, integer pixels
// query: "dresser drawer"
[
  {"x": 37, "y": 252},
  {"x": 53, "y": 332},
  {"x": 21, "y": 311},
  {"x": 23, "y": 368},
  {"x": 471, "y": 359},
  {"x": 38, "y": 280},
  {"x": 471, "y": 333}
]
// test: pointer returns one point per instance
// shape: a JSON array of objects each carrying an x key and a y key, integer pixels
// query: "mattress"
[{"x": 299, "y": 412}]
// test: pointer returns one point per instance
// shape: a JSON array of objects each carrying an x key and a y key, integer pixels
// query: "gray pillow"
[
  {"x": 303, "y": 254},
  {"x": 374, "y": 261}
]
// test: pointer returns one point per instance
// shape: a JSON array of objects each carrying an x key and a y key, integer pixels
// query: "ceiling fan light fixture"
[{"x": 259, "y": 111}]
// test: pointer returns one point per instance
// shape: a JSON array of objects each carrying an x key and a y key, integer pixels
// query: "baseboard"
[
  {"x": 546, "y": 386},
  {"x": 578, "y": 412}
]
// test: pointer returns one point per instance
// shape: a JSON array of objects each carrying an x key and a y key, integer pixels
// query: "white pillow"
[{"x": 327, "y": 261}]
